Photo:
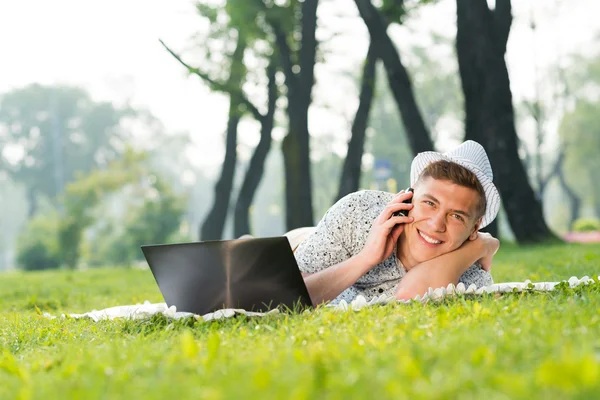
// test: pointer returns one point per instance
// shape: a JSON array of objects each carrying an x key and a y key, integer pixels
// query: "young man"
[{"x": 360, "y": 247}]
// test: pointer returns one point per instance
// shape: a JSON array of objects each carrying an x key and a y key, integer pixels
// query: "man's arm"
[
  {"x": 329, "y": 283},
  {"x": 447, "y": 268},
  {"x": 477, "y": 276},
  {"x": 330, "y": 279}
]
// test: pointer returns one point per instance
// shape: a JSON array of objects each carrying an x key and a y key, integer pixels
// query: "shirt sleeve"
[
  {"x": 329, "y": 244},
  {"x": 476, "y": 275}
]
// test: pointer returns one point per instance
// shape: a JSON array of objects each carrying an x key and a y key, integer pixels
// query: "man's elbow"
[
  {"x": 404, "y": 293},
  {"x": 408, "y": 292}
]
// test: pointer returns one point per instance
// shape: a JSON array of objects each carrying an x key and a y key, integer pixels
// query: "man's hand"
[
  {"x": 490, "y": 245},
  {"x": 386, "y": 230},
  {"x": 448, "y": 268}
]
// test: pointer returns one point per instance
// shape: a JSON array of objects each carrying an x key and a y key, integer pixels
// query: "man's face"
[{"x": 444, "y": 218}]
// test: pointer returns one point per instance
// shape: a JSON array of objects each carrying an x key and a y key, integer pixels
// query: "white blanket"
[{"x": 147, "y": 309}]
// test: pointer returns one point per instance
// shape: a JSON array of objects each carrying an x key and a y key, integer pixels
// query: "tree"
[
  {"x": 398, "y": 78},
  {"x": 577, "y": 95},
  {"x": 237, "y": 14},
  {"x": 213, "y": 225},
  {"x": 227, "y": 33},
  {"x": 154, "y": 215},
  {"x": 481, "y": 44},
  {"x": 399, "y": 82},
  {"x": 549, "y": 99},
  {"x": 580, "y": 133},
  {"x": 83, "y": 195},
  {"x": 155, "y": 221},
  {"x": 437, "y": 89},
  {"x": 51, "y": 133},
  {"x": 293, "y": 27},
  {"x": 14, "y": 213},
  {"x": 351, "y": 170},
  {"x": 574, "y": 198},
  {"x": 254, "y": 173},
  {"x": 37, "y": 245}
]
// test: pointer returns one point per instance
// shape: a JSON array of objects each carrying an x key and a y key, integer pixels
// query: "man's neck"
[{"x": 403, "y": 253}]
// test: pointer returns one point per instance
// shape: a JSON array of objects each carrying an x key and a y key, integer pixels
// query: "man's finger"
[
  {"x": 397, "y": 231},
  {"x": 393, "y": 221},
  {"x": 396, "y": 204},
  {"x": 402, "y": 196},
  {"x": 390, "y": 209}
]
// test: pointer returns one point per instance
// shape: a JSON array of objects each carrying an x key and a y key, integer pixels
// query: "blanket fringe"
[{"x": 147, "y": 309}]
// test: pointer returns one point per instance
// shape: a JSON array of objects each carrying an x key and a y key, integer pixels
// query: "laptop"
[{"x": 256, "y": 274}]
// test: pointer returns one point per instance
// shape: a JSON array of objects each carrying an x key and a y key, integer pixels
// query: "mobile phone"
[{"x": 404, "y": 213}]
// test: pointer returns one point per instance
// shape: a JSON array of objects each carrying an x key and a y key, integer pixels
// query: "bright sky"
[{"x": 111, "y": 48}]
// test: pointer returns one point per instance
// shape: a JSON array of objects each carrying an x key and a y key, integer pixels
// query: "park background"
[
  {"x": 132, "y": 123},
  {"x": 125, "y": 123}
]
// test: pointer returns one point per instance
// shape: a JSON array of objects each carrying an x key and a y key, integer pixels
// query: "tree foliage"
[
  {"x": 580, "y": 134},
  {"x": 289, "y": 31},
  {"x": 399, "y": 80},
  {"x": 153, "y": 221},
  {"x": 37, "y": 244},
  {"x": 50, "y": 133},
  {"x": 481, "y": 38},
  {"x": 437, "y": 90},
  {"x": 237, "y": 20}
]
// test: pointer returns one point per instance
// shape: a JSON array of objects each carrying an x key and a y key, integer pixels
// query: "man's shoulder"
[
  {"x": 367, "y": 198},
  {"x": 362, "y": 206}
]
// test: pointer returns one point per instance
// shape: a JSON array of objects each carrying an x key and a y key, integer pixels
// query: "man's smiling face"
[{"x": 444, "y": 218}]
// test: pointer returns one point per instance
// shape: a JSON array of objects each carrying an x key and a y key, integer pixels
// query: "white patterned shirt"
[{"x": 342, "y": 233}]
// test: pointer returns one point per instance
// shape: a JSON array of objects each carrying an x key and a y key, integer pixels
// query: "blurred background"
[{"x": 139, "y": 122}]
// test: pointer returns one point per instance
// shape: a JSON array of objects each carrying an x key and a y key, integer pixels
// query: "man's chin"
[
  {"x": 426, "y": 256},
  {"x": 426, "y": 252},
  {"x": 422, "y": 251}
]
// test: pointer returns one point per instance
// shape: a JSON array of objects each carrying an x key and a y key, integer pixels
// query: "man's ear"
[{"x": 473, "y": 234}]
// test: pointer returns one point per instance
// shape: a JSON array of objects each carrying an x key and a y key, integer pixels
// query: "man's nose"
[{"x": 438, "y": 222}]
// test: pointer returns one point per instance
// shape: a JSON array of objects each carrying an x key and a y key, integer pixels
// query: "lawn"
[{"x": 528, "y": 345}]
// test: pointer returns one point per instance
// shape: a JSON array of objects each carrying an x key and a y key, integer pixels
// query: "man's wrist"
[
  {"x": 361, "y": 262},
  {"x": 477, "y": 247},
  {"x": 471, "y": 251}
]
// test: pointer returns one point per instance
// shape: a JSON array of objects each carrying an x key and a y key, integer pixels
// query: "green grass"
[{"x": 530, "y": 345}]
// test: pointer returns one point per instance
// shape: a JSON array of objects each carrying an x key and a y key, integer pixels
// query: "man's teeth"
[{"x": 428, "y": 239}]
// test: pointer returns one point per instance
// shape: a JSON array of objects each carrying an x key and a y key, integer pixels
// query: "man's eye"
[
  {"x": 458, "y": 217},
  {"x": 429, "y": 203}
]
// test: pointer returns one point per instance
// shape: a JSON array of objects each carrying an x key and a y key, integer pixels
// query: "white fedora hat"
[{"x": 473, "y": 157}]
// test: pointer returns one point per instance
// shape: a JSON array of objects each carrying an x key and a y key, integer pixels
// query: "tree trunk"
[
  {"x": 214, "y": 224},
  {"x": 398, "y": 78},
  {"x": 57, "y": 152},
  {"x": 241, "y": 222},
  {"x": 575, "y": 208},
  {"x": 296, "y": 144},
  {"x": 574, "y": 200},
  {"x": 492, "y": 228},
  {"x": 481, "y": 44},
  {"x": 555, "y": 171},
  {"x": 298, "y": 189},
  {"x": 350, "y": 180},
  {"x": 32, "y": 200}
]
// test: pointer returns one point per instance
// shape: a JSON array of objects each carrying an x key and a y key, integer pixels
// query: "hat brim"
[{"x": 492, "y": 196}]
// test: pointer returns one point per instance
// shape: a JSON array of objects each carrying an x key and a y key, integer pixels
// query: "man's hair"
[{"x": 456, "y": 173}]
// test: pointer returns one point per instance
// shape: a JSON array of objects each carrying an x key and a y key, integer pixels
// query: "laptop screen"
[{"x": 251, "y": 274}]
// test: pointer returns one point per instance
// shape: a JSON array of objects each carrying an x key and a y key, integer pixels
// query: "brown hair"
[{"x": 455, "y": 173}]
